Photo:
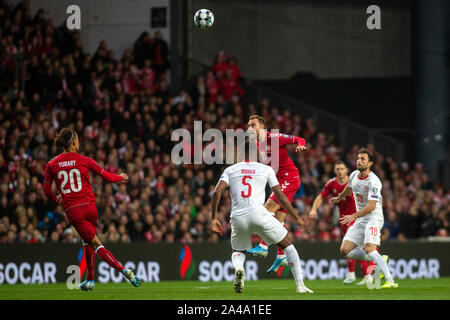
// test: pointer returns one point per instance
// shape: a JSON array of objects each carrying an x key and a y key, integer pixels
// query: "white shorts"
[
  {"x": 365, "y": 231},
  {"x": 261, "y": 222}
]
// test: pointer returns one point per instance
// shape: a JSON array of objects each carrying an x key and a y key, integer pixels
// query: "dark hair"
[
  {"x": 338, "y": 163},
  {"x": 368, "y": 152},
  {"x": 65, "y": 138},
  {"x": 260, "y": 119}
]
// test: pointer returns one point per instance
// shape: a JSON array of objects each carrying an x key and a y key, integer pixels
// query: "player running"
[
  {"x": 334, "y": 187},
  {"x": 365, "y": 232},
  {"x": 247, "y": 181},
  {"x": 70, "y": 171},
  {"x": 287, "y": 175}
]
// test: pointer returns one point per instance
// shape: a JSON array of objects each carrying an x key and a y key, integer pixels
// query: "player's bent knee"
[
  {"x": 286, "y": 242},
  {"x": 368, "y": 248},
  {"x": 95, "y": 243},
  {"x": 345, "y": 249}
]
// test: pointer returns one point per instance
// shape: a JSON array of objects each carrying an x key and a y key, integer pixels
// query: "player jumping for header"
[
  {"x": 365, "y": 232},
  {"x": 287, "y": 174},
  {"x": 247, "y": 181}
]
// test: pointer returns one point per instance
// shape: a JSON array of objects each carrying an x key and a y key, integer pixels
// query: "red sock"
[
  {"x": 363, "y": 265},
  {"x": 280, "y": 252},
  {"x": 351, "y": 264},
  {"x": 370, "y": 267},
  {"x": 263, "y": 242},
  {"x": 90, "y": 261},
  {"x": 107, "y": 256}
]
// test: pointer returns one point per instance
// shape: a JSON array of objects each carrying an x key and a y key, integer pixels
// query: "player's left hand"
[
  {"x": 217, "y": 227},
  {"x": 59, "y": 199},
  {"x": 347, "y": 219},
  {"x": 300, "y": 148}
]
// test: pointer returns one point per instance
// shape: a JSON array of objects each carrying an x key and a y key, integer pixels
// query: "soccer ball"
[{"x": 204, "y": 18}]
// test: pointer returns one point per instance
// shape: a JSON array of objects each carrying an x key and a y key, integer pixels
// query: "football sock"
[
  {"x": 363, "y": 265},
  {"x": 238, "y": 259},
  {"x": 293, "y": 260},
  {"x": 378, "y": 259},
  {"x": 358, "y": 254},
  {"x": 280, "y": 253},
  {"x": 107, "y": 256},
  {"x": 351, "y": 264},
  {"x": 263, "y": 244},
  {"x": 89, "y": 253},
  {"x": 370, "y": 267}
]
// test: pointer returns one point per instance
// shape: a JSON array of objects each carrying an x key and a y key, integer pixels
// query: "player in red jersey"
[
  {"x": 70, "y": 171},
  {"x": 287, "y": 174},
  {"x": 346, "y": 207}
]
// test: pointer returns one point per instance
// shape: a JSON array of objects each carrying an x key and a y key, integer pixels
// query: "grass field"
[{"x": 430, "y": 289}]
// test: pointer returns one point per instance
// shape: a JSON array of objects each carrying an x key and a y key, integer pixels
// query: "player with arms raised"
[
  {"x": 247, "y": 181},
  {"x": 334, "y": 187},
  {"x": 366, "y": 230},
  {"x": 70, "y": 171},
  {"x": 287, "y": 174}
]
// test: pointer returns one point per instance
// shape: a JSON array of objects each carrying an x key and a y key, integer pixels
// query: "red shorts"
[
  {"x": 289, "y": 186},
  {"x": 344, "y": 227},
  {"x": 84, "y": 219}
]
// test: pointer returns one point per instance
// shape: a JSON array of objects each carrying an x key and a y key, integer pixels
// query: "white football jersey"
[
  {"x": 367, "y": 189},
  {"x": 247, "y": 182}
]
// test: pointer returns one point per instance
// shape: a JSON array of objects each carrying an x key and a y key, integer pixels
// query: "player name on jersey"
[
  {"x": 67, "y": 163},
  {"x": 247, "y": 171}
]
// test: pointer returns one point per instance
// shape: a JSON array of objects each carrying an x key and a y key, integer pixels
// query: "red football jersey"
[
  {"x": 70, "y": 171},
  {"x": 333, "y": 188},
  {"x": 285, "y": 164}
]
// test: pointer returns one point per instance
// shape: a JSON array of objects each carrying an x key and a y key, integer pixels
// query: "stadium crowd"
[{"x": 125, "y": 112}]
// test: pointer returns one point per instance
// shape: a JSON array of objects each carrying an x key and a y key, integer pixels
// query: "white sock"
[
  {"x": 293, "y": 260},
  {"x": 238, "y": 259},
  {"x": 379, "y": 261},
  {"x": 358, "y": 254}
]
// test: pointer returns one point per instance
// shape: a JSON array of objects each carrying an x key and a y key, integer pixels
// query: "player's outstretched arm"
[
  {"x": 108, "y": 176},
  {"x": 284, "y": 202},
  {"x": 316, "y": 205},
  {"x": 284, "y": 139},
  {"x": 217, "y": 194}
]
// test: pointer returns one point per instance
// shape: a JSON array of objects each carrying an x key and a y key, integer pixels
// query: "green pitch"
[{"x": 433, "y": 289}]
